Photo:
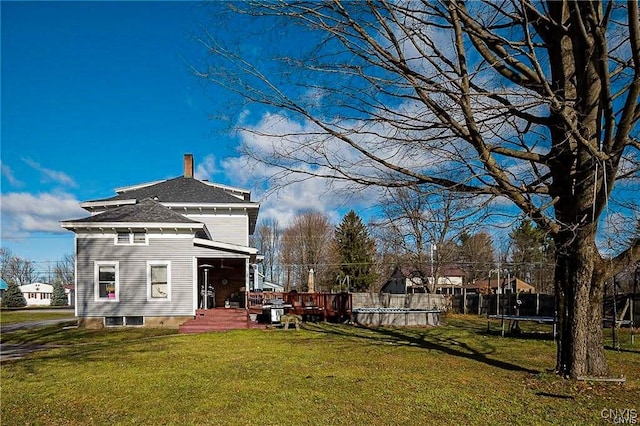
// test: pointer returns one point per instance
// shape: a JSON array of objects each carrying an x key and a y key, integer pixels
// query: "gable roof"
[
  {"x": 176, "y": 190},
  {"x": 409, "y": 271}
]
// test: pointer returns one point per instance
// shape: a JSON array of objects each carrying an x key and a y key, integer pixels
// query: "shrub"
[
  {"x": 58, "y": 298},
  {"x": 13, "y": 297}
]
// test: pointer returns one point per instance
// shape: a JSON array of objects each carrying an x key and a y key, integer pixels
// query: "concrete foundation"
[{"x": 150, "y": 322}]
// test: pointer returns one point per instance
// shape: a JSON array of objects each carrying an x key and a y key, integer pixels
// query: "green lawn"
[
  {"x": 321, "y": 375},
  {"x": 8, "y": 316}
]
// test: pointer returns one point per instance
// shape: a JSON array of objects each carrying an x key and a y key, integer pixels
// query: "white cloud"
[
  {"x": 49, "y": 175},
  {"x": 8, "y": 174},
  {"x": 207, "y": 168},
  {"x": 23, "y": 213},
  {"x": 295, "y": 193}
]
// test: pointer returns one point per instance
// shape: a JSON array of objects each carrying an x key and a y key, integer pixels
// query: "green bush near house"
[
  {"x": 324, "y": 374},
  {"x": 58, "y": 298},
  {"x": 13, "y": 297}
]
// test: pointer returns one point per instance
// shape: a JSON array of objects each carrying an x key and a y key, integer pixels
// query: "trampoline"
[{"x": 515, "y": 319}]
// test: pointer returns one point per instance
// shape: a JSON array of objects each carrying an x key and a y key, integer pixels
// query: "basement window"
[
  {"x": 123, "y": 321},
  {"x": 113, "y": 321},
  {"x": 134, "y": 320}
]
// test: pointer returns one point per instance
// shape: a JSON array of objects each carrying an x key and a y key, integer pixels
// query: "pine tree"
[
  {"x": 58, "y": 298},
  {"x": 13, "y": 297},
  {"x": 531, "y": 252},
  {"x": 356, "y": 250}
]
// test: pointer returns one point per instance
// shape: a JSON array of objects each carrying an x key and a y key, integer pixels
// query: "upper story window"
[{"x": 124, "y": 238}]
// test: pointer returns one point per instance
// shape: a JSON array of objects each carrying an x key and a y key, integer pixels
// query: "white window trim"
[
  {"x": 131, "y": 242},
  {"x": 158, "y": 263},
  {"x": 96, "y": 281}
]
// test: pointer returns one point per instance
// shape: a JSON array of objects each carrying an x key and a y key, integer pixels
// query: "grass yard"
[
  {"x": 324, "y": 374},
  {"x": 9, "y": 316}
]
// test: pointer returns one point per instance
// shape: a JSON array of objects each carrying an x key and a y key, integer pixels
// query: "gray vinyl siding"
[
  {"x": 232, "y": 229},
  {"x": 133, "y": 277}
]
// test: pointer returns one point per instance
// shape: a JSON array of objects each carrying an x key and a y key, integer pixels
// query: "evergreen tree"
[
  {"x": 531, "y": 252},
  {"x": 13, "y": 297},
  {"x": 477, "y": 255},
  {"x": 356, "y": 250},
  {"x": 58, "y": 298}
]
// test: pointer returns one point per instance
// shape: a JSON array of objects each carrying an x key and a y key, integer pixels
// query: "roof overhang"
[
  {"x": 212, "y": 206},
  {"x": 132, "y": 225},
  {"x": 234, "y": 248},
  {"x": 138, "y": 186},
  {"x": 92, "y": 205}
]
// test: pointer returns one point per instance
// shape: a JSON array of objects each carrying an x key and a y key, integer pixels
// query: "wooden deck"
[{"x": 332, "y": 307}]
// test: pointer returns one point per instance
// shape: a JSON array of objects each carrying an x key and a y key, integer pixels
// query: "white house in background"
[
  {"x": 37, "y": 294},
  {"x": 408, "y": 279},
  {"x": 40, "y": 294}
]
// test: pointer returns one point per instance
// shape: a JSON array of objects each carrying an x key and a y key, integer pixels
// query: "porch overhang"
[{"x": 233, "y": 248}]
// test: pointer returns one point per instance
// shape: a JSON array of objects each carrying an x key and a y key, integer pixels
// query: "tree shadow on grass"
[
  {"x": 425, "y": 340},
  {"x": 521, "y": 335},
  {"x": 54, "y": 333},
  {"x": 57, "y": 341}
]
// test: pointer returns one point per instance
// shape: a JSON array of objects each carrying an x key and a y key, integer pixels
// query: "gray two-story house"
[{"x": 155, "y": 254}]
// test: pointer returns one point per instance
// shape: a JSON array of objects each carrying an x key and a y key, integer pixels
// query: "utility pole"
[{"x": 433, "y": 277}]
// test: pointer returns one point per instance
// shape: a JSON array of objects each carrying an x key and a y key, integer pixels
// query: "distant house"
[
  {"x": 505, "y": 286},
  {"x": 70, "y": 291},
  {"x": 158, "y": 253},
  {"x": 37, "y": 294},
  {"x": 40, "y": 294},
  {"x": 405, "y": 280},
  {"x": 400, "y": 282},
  {"x": 450, "y": 280}
]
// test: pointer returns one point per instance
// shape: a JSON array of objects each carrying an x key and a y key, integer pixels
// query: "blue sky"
[
  {"x": 100, "y": 95},
  {"x": 95, "y": 96}
]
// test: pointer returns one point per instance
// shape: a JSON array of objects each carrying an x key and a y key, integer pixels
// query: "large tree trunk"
[{"x": 579, "y": 302}]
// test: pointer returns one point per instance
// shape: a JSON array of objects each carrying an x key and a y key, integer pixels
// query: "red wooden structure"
[{"x": 333, "y": 307}]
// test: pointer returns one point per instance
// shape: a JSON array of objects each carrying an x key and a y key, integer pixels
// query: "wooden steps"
[{"x": 219, "y": 319}]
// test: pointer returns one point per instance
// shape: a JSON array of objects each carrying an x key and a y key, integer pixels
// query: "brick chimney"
[{"x": 188, "y": 165}]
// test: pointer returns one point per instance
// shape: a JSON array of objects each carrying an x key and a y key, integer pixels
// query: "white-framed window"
[
  {"x": 107, "y": 278},
  {"x": 159, "y": 280},
  {"x": 128, "y": 238}
]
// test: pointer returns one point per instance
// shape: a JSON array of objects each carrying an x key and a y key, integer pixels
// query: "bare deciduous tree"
[
  {"x": 422, "y": 227},
  {"x": 268, "y": 239},
  {"x": 308, "y": 244},
  {"x": 17, "y": 270},
  {"x": 64, "y": 271},
  {"x": 533, "y": 103}
]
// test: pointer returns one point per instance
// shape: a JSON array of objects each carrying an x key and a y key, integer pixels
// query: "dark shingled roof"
[
  {"x": 179, "y": 190},
  {"x": 147, "y": 210}
]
